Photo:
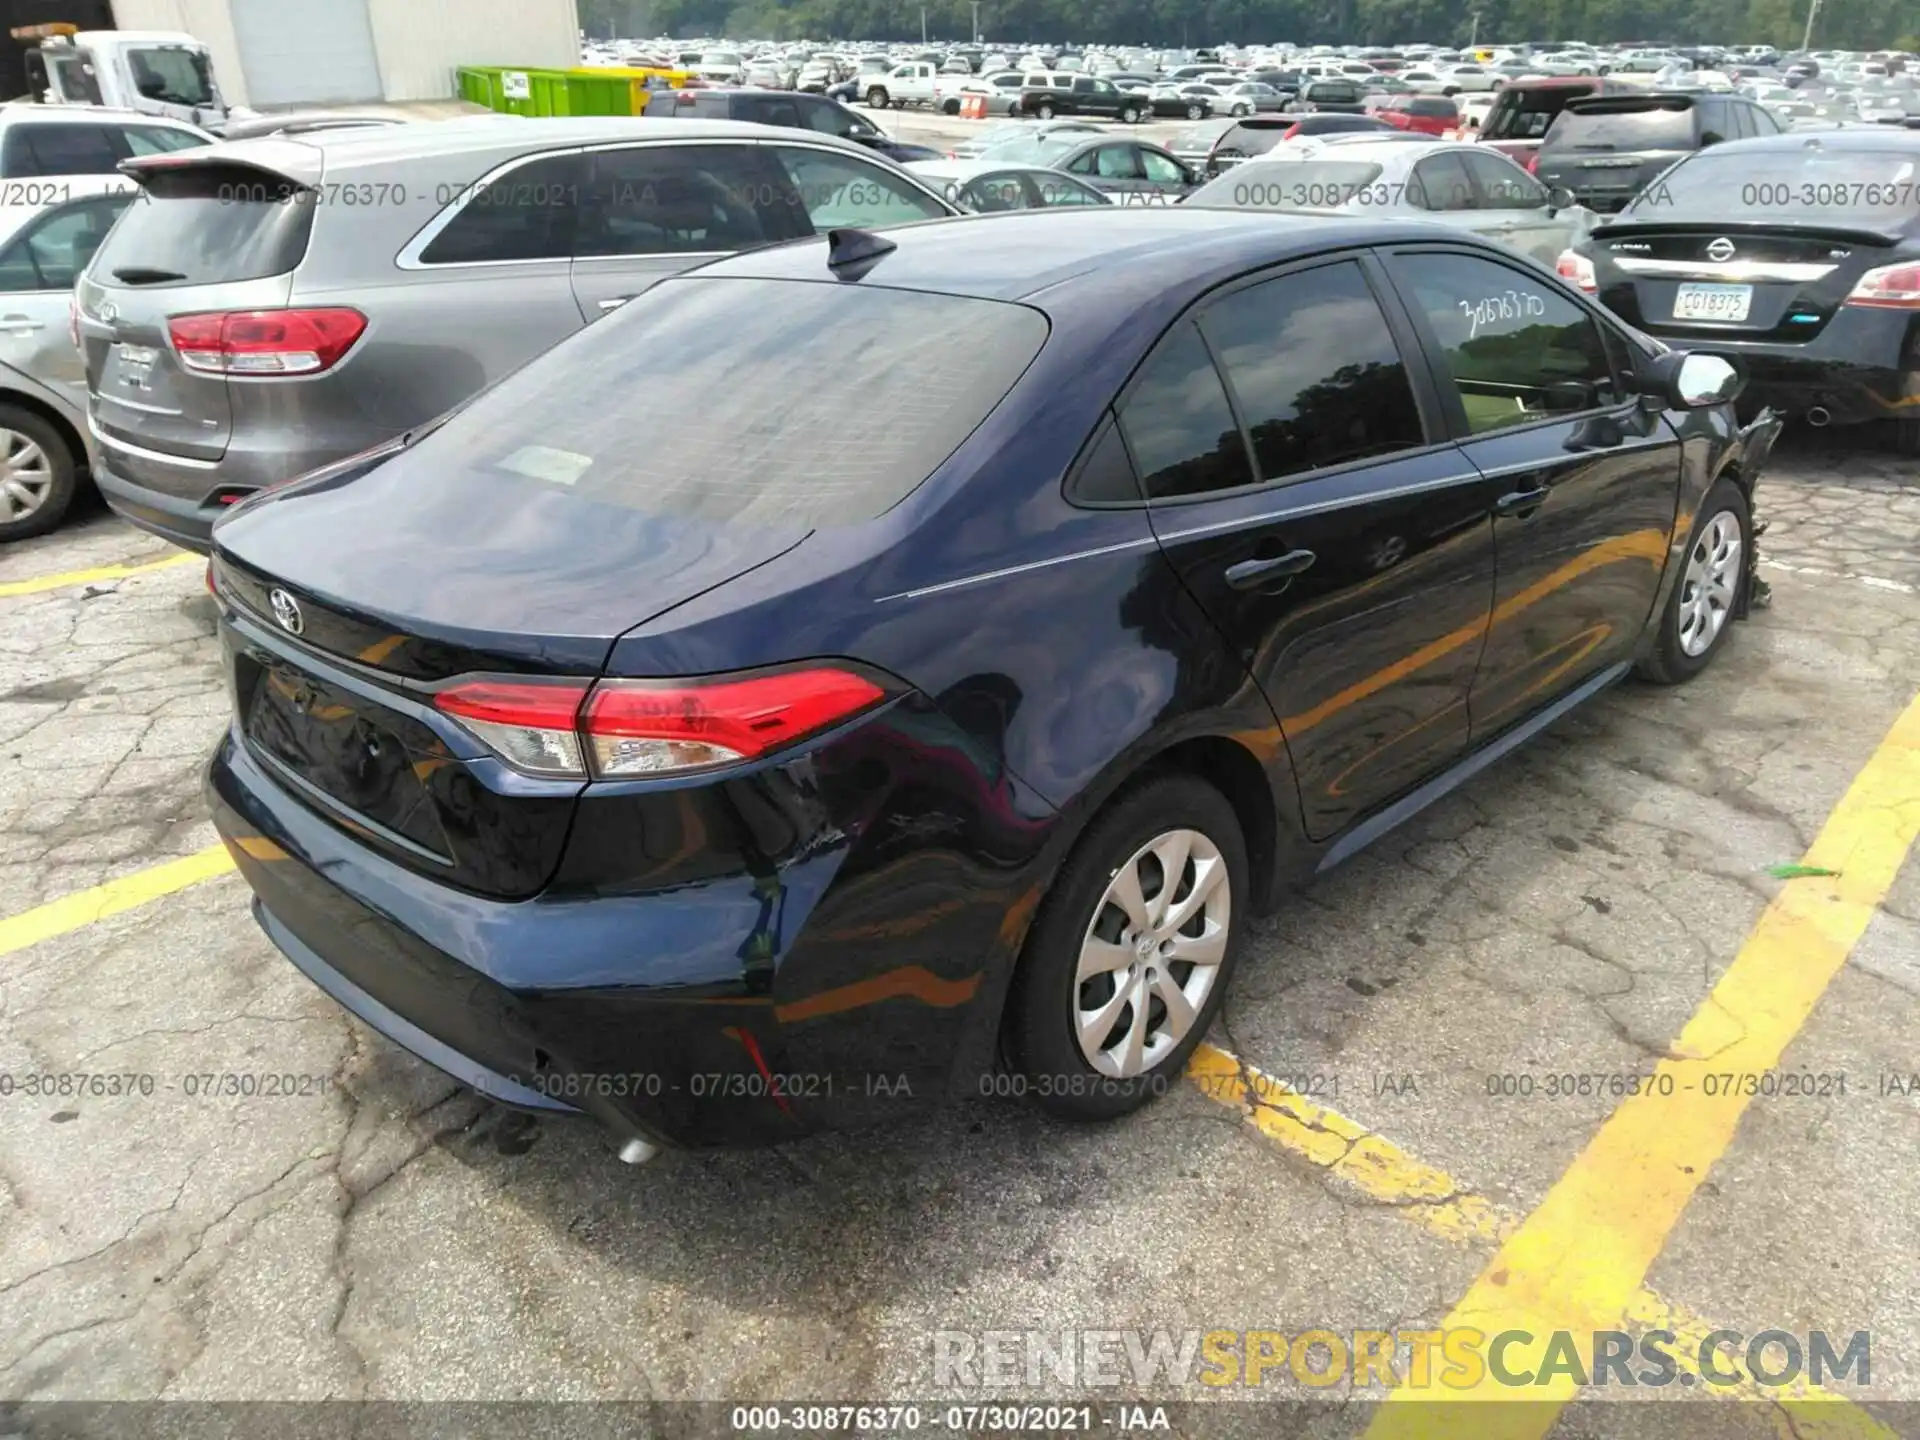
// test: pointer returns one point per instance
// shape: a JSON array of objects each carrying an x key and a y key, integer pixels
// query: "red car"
[{"x": 1422, "y": 114}]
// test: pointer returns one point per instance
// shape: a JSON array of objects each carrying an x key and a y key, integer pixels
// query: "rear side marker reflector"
[
  {"x": 265, "y": 343},
  {"x": 652, "y": 727}
]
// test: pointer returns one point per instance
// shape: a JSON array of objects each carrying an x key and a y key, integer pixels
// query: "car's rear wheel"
[
  {"x": 1045, "y": 112},
  {"x": 1196, "y": 112},
  {"x": 877, "y": 98},
  {"x": 38, "y": 474},
  {"x": 1130, "y": 957},
  {"x": 1700, "y": 610},
  {"x": 1130, "y": 115},
  {"x": 1906, "y": 438},
  {"x": 950, "y": 107},
  {"x": 1240, "y": 112}
]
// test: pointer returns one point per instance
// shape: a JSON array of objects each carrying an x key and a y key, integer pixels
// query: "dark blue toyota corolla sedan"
[{"x": 871, "y": 669}]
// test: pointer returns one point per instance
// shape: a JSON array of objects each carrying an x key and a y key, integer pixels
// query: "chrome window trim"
[{"x": 1737, "y": 271}]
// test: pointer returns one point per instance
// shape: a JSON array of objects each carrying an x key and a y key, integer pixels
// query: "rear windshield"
[
  {"x": 1877, "y": 189},
  {"x": 758, "y": 401},
  {"x": 207, "y": 225},
  {"x": 1523, "y": 114},
  {"x": 1295, "y": 185},
  {"x": 1654, "y": 128}
]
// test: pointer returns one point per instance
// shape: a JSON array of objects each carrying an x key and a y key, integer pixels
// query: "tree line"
[{"x": 1842, "y": 24}]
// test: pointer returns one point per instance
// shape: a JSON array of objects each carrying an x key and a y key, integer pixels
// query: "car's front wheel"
[
  {"x": 1130, "y": 115},
  {"x": 38, "y": 474},
  {"x": 1700, "y": 610},
  {"x": 1129, "y": 960},
  {"x": 1196, "y": 112}
]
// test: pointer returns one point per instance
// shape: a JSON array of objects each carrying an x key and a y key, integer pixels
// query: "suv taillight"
[
  {"x": 1577, "y": 269},
  {"x": 629, "y": 728},
  {"x": 265, "y": 343},
  {"x": 1890, "y": 287}
]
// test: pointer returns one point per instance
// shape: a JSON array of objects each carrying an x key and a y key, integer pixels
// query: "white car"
[
  {"x": 1459, "y": 184},
  {"x": 1470, "y": 79}
]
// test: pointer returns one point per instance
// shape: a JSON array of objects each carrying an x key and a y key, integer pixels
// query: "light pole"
[
  {"x": 976, "y": 22},
  {"x": 1813, "y": 13},
  {"x": 923, "y": 24},
  {"x": 1473, "y": 36}
]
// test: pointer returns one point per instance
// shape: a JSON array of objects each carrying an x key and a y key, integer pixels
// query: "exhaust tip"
[
  {"x": 1819, "y": 416},
  {"x": 637, "y": 1152}
]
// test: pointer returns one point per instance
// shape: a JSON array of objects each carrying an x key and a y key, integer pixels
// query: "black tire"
[
  {"x": 61, "y": 467},
  {"x": 1039, "y": 1030},
  {"x": 1668, "y": 663},
  {"x": 1196, "y": 112},
  {"x": 1130, "y": 115},
  {"x": 1044, "y": 111},
  {"x": 1906, "y": 438},
  {"x": 950, "y": 107},
  {"x": 877, "y": 98}
]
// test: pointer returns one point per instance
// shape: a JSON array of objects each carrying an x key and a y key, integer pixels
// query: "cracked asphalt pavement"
[{"x": 387, "y": 1235}]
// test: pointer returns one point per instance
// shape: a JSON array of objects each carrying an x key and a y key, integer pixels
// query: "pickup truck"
[
  {"x": 914, "y": 83},
  {"x": 1081, "y": 95}
]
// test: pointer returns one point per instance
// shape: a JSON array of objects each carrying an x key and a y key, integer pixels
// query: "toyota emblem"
[
  {"x": 286, "y": 610},
  {"x": 107, "y": 313},
  {"x": 1720, "y": 251}
]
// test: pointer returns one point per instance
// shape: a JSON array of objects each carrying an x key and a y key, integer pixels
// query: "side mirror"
[
  {"x": 1559, "y": 198},
  {"x": 1692, "y": 380}
]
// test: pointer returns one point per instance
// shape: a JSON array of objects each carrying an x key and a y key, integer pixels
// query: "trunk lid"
[
  {"x": 1783, "y": 283},
  {"x": 216, "y": 229}
]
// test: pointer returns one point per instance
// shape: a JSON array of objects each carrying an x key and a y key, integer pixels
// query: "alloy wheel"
[
  {"x": 1151, "y": 953},
  {"x": 1707, "y": 587},
  {"x": 26, "y": 476}
]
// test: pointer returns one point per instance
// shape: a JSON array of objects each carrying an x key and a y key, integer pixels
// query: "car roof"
[
  {"x": 30, "y": 113},
  {"x": 1891, "y": 139},
  {"x": 498, "y": 137},
  {"x": 1079, "y": 252},
  {"x": 961, "y": 171}
]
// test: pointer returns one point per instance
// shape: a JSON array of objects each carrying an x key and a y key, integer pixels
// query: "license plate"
[
  {"x": 1712, "y": 302},
  {"x": 133, "y": 363}
]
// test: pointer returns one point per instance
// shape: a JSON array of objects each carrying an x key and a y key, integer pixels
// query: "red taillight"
[
  {"x": 212, "y": 589},
  {"x": 1533, "y": 163},
  {"x": 644, "y": 727},
  {"x": 1577, "y": 269},
  {"x": 1890, "y": 287},
  {"x": 265, "y": 342},
  {"x": 652, "y": 727}
]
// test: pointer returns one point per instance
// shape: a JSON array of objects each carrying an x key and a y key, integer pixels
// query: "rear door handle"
[
  {"x": 20, "y": 324},
  {"x": 1254, "y": 574},
  {"x": 1520, "y": 503}
]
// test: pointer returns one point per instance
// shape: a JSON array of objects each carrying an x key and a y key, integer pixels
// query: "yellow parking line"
[
  {"x": 1578, "y": 1262},
  {"x": 1443, "y": 1206},
  {"x": 83, "y": 907},
  {"x": 91, "y": 577}
]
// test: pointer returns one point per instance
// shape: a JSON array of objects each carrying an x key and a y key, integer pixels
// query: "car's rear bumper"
[
  {"x": 824, "y": 986},
  {"x": 184, "y": 520}
]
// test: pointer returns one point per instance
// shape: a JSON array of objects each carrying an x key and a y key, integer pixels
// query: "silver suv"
[{"x": 275, "y": 305}]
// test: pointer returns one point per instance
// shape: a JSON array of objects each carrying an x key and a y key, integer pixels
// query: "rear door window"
[
  {"x": 1314, "y": 371},
  {"x": 526, "y": 213},
  {"x": 827, "y": 407},
  {"x": 768, "y": 110},
  {"x": 61, "y": 149},
  {"x": 1441, "y": 182},
  {"x": 1499, "y": 184},
  {"x": 681, "y": 200},
  {"x": 207, "y": 225}
]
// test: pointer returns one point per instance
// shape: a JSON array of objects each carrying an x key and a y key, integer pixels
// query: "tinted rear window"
[
  {"x": 210, "y": 225},
  {"x": 1874, "y": 188},
  {"x": 760, "y": 401},
  {"x": 1649, "y": 129},
  {"x": 1522, "y": 114},
  {"x": 57, "y": 149}
]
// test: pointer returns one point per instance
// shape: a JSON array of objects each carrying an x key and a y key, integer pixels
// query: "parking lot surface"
[{"x": 379, "y": 1233}]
